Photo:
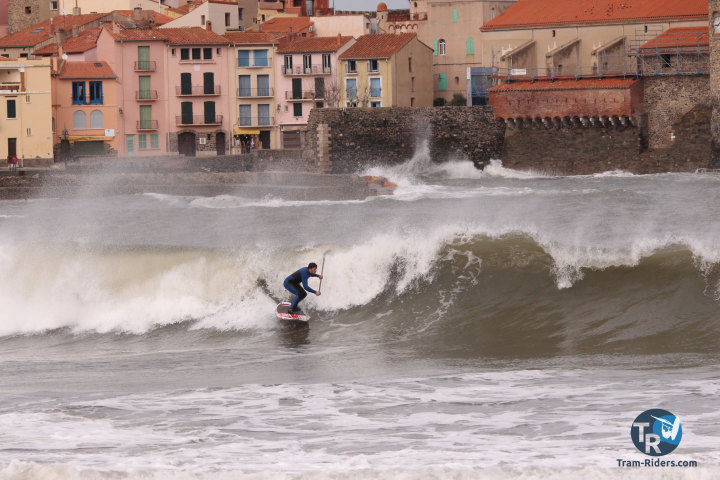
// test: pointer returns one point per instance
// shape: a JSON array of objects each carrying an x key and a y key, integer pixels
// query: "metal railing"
[
  {"x": 145, "y": 66},
  {"x": 198, "y": 120},
  {"x": 244, "y": 92},
  {"x": 147, "y": 124},
  {"x": 146, "y": 95},
  {"x": 311, "y": 70},
  {"x": 304, "y": 95},
  {"x": 196, "y": 91},
  {"x": 256, "y": 121}
]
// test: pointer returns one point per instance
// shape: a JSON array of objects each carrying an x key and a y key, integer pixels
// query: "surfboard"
[{"x": 284, "y": 314}]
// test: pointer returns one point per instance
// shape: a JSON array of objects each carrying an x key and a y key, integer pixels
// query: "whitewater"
[{"x": 476, "y": 324}]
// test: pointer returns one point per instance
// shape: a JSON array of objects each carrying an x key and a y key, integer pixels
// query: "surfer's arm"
[{"x": 305, "y": 278}]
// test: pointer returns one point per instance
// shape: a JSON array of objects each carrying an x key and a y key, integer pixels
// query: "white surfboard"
[{"x": 283, "y": 313}]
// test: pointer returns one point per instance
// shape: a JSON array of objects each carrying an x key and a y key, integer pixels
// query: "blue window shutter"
[
  {"x": 243, "y": 58},
  {"x": 470, "y": 46},
  {"x": 455, "y": 15},
  {"x": 435, "y": 43}
]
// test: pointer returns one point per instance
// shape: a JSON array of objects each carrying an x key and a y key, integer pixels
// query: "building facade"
[
  {"x": 387, "y": 70},
  {"x": 26, "y": 116}
]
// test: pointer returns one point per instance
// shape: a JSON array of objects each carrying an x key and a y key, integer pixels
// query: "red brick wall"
[{"x": 592, "y": 102}]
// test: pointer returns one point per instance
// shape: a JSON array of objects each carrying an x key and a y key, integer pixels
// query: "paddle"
[{"x": 322, "y": 268}]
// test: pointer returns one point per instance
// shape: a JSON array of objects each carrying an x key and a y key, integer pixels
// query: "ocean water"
[{"x": 496, "y": 324}]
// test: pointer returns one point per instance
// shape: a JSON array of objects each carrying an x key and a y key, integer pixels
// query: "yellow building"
[
  {"x": 26, "y": 111},
  {"x": 387, "y": 70}
]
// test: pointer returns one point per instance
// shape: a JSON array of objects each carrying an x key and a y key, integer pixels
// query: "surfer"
[{"x": 295, "y": 282}]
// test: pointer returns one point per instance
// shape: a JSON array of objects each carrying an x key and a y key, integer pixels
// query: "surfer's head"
[{"x": 312, "y": 266}]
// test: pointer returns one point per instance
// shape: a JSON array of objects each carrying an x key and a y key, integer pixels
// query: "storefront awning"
[
  {"x": 89, "y": 138},
  {"x": 246, "y": 131}
]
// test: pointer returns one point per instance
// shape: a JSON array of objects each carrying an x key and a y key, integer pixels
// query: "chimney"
[
  {"x": 115, "y": 27},
  {"x": 75, "y": 31},
  {"x": 191, "y": 6},
  {"x": 208, "y": 26},
  {"x": 76, "y": 11},
  {"x": 339, "y": 40},
  {"x": 138, "y": 13},
  {"x": 54, "y": 64}
]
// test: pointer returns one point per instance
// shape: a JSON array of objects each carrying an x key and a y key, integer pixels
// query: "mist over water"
[{"x": 497, "y": 321}]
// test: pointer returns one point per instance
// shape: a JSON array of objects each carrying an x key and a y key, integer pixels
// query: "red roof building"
[
  {"x": 383, "y": 45},
  {"x": 299, "y": 26}
]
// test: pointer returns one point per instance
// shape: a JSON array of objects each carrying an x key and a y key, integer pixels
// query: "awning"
[
  {"x": 89, "y": 138},
  {"x": 246, "y": 131}
]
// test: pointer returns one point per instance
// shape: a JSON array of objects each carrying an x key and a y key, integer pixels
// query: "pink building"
[
  {"x": 307, "y": 78},
  {"x": 174, "y": 95}
]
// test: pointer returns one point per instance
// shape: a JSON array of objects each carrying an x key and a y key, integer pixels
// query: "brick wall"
[{"x": 19, "y": 19}]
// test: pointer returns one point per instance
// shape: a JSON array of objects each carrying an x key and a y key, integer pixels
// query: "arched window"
[
  {"x": 79, "y": 120},
  {"x": 96, "y": 119},
  {"x": 441, "y": 47}
]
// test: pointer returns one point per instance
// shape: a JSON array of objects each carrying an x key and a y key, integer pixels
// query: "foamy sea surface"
[{"x": 488, "y": 324}]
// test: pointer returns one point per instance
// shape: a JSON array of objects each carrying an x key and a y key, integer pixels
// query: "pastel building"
[
  {"x": 307, "y": 78},
  {"x": 25, "y": 111},
  {"x": 174, "y": 95},
  {"x": 85, "y": 108},
  {"x": 223, "y": 15},
  {"x": 254, "y": 80},
  {"x": 387, "y": 70}
]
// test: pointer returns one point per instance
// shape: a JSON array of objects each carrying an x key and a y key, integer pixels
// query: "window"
[
  {"x": 263, "y": 86},
  {"x": 217, "y": 51},
  {"x": 441, "y": 47},
  {"x": 288, "y": 64},
  {"x": 264, "y": 114},
  {"x": 207, "y": 53},
  {"x": 375, "y": 104},
  {"x": 227, "y": 19},
  {"x": 261, "y": 58},
  {"x": 186, "y": 110},
  {"x": 244, "y": 86},
  {"x": 442, "y": 82},
  {"x": 53, "y": 124},
  {"x": 186, "y": 83},
  {"x": 435, "y": 47},
  {"x": 412, "y": 101},
  {"x": 172, "y": 52},
  {"x": 327, "y": 66},
  {"x": 144, "y": 58},
  {"x": 245, "y": 118},
  {"x": 470, "y": 46},
  {"x": 351, "y": 87},
  {"x": 243, "y": 58},
  {"x": 53, "y": 5},
  {"x": 209, "y": 110},
  {"x": 27, "y": 98},
  {"x": 28, "y": 10},
  {"x": 28, "y": 132},
  {"x": 144, "y": 87},
  {"x": 375, "y": 88},
  {"x": 96, "y": 93},
  {"x": 196, "y": 53},
  {"x": 142, "y": 141},
  {"x": 351, "y": 66},
  {"x": 297, "y": 109},
  {"x": 145, "y": 117},
  {"x": 373, "y": 65},
  {"x": 209, "y": 83},
  {"x": 78, "y": 93},
  {"x": 666, "y": 60},
  {"x": 79, "y": 120},
  {"x": 553, "y": 33},
  {"x": 184, "y": 54},
  {"x": 307, "y": 63},
  {"x": 410, "y": 64},
  {"x": 154, "y": 141},
  {"x": 455, "y": 15},
  {"x": 202, "y": 19},
  {"x": 96, "y": 119},
  {"x": 412, "y": 84},
  {"x": 240, "y": 14}
]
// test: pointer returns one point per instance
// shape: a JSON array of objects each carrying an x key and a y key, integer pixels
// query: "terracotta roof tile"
[
  {"x": 174, "y": 36},
  {"x": 40, "y": 32},
  {"x": 312, "y": 44},
  {"x": 570, "y": 84},
  {"x": 157, "y": 18},
  {"x": 383, "y": 45},
  {"x": 529, "y": 13},
  {"x": 86, "y": 70},
  {"x": 285, "y": 24},
  {"x": 251, "y": 37},
  {"x": 682, "y": 37}
]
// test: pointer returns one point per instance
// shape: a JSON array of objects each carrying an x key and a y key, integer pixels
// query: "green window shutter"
[
  {"x": 435, "y": 43},
  {"x": 455, "y": 15},
  {"x": 142, "y": 141},
  {"x": 154, "y": 141},
  {"x": 442, "y": 82},
  {"x": 470, "y": 46}
]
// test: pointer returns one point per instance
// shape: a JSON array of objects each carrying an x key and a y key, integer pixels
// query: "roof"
[
  {"x": 681, "y": 37},
  {"x": 41, "y": 32},
  {"x": 98, "y": 69},
  {"x": 157, "y": 18},
  {"x": 286, "y": 24},
  {"x": 185, "y": 9},
  {"x": 539, "y": 13},
  {"x": 87, "y": 40},
  {"x": 569, "y": 84},
  {"x": 312, "y": 44},
  {"x": 381, "y": 45},
  {"x": 174, "y": 36},
  {"x": 251, "y": 37}
]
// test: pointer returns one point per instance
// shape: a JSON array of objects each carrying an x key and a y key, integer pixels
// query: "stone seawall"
[{"x": 349, "y": 140}]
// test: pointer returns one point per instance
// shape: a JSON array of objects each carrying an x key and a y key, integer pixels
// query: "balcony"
[
  {"x": 146, "y": 95},
  {"x": 10, "y": 86},
  {"x": 198, "y": 120},
  {"x": 311, "y": 70},
  {"x": 255, "y": 92},
  {"x": 256, "y": 121},
  {"x": 145, "y": 66},
  {"x": 147, "y": 125},
  {"x": 197, "y": 91},
  {"x": 304, "y": 96}
]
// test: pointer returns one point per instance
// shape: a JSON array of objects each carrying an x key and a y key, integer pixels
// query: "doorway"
[
  {"x": 186, "y": 144},
  {"x": 12, "y": 147},
  {"x": 220, "y": 143}
]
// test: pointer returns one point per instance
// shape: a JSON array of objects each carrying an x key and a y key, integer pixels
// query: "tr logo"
[{"x": 656, "y": 432}]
